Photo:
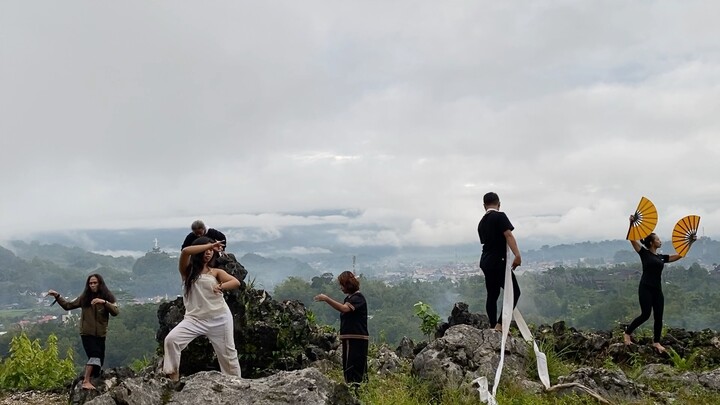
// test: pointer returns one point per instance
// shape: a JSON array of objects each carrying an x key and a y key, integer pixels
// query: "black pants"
[
  {"x": 354, "y": 359},
  {"x": 494, "y": 271},
  {"x": 651, "y": 299},
  {"x": 95, "y": 350}
]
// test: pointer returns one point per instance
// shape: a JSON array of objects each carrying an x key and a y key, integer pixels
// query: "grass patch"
[{"x": 555, "y": 364}]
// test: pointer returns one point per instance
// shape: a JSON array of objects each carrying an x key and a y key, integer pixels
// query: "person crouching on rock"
[
  {"x": 97, "y": 303},
  {"x": 206, "y": 312},
  {"x": 353, "y": 328}
]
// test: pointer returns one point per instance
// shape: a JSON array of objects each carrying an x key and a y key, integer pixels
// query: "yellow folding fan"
[
  {"x": 644, "y": 220},
  {"x": 684, "y": 234}
]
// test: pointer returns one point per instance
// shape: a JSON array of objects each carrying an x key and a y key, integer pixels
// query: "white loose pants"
[{"x": 219, "y": 331}]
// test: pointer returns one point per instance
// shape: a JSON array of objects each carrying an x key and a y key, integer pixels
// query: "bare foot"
[
  {"x": 627, "y": 339},
  {"x": 87, "y": 386},
  {"x": 498, "y": 327},
  {"x": 174, "y": 377},
  {"x": 659, "y": 348}
]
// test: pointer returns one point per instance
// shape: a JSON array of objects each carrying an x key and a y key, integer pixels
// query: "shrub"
[
  {"x": 428, "y": 318},
  {"x": 32, "y": 367}
]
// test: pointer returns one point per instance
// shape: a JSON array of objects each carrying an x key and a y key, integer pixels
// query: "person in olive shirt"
[
  {"x": 650, "y": 289},
  {"x": 495, "y": 231},
  {"x": 353, "y": 327},
  {"x": 97, "y": 303}
]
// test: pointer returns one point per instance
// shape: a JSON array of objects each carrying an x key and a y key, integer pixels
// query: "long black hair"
[
  {"x": 102, "y": 291},
  {"x": 197, "y": 264}
]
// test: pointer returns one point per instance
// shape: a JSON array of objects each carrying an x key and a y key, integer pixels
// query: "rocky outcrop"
[
  {"x": 608, "y": 384},
  {"x": 307, "y": 386},
  {"x": 709, "y": 380},
  {"x": 460, "y": 315},
  {"x": 386, "y": 362},
  {"x": 406, "y": 348},
  {"x": 593, "y": 348},
  {"x": 466, "y": 349},
  {"x": 465, "y": 353}
]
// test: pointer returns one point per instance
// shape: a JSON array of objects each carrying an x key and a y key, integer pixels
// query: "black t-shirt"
[
  {"x": 491, "y": 230},
  {"x": 353, "y": 324},
  {"x": 652, "y": 267},
  {"x": 211, "y": 233}
]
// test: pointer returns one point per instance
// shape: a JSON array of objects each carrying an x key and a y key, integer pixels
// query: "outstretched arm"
[
  {"x": 510, "y": 239},
  {"x": 64, "y": 304},
  {"x": 674, "y": 258},
  {"x": 338, "y": 306}
]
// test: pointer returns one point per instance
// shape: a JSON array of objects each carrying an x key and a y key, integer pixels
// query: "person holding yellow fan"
[{"x": 646, "y": 243}]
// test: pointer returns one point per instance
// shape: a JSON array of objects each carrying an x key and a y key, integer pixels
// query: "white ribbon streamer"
[{"x": 507, "y": 315}]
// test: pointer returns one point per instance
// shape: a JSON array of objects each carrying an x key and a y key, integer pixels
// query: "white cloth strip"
[{"x": 508, "y": 314}]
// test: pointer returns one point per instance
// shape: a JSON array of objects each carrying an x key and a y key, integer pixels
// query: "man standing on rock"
[{"x": 495, "y": 231}]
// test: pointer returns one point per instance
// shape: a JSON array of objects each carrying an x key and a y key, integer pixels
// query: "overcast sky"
[{"x": 118, "y": 115}]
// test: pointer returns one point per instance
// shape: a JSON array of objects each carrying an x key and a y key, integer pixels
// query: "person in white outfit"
[{"x": 206, "y": 312}]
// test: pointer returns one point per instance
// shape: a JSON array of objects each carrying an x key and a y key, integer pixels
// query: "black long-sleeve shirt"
[{"x": 211, "y": 233}]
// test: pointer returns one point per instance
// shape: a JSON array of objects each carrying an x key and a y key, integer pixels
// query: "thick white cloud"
[{"x": 153, "y": 114}]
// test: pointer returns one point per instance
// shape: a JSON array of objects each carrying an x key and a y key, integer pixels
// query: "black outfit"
[
  {"x": 355, "y": 338},
  {"x": 95, "y": 350},
  {"x": 211, "y": 233},
  {"x": 491, "y": 230},
  {"x": 650, "y": 292}
]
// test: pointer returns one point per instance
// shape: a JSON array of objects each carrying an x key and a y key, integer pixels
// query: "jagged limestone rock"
[
  {"x": 307, "y": 386},
  {"x": 465, "y": 353},
  {"x": 609, "y": 384},
  {"x": 461, "y": 315},
  {"x": 386, "y": 362},
  {"x": 406, "y": 348}
]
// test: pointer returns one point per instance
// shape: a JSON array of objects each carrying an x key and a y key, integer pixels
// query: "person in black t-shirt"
[
  {"x": 353, "y": 327},
  {"x": 199, "y": 229},
  {"x": 650, "y": 289},
  {"x": 495, "y": 231}
]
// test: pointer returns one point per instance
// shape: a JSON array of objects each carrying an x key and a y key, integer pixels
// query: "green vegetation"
[
  {"x": 680, "y": 363},
  {"x": 556, "y": 366},
  {"x": 32, "y": 367},
  {"x": 131, "y": 336},
  {"x": 586, "y": 298},
  {"x": 429, "y": 320},
  {"x": 404, "y": 389}
]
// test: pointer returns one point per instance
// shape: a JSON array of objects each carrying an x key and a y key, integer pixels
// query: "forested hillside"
[{"x": 586, "y": 297}]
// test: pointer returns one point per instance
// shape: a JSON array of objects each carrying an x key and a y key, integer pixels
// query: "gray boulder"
[
  {"x": 307, "y": 386},
  {"x": 710, "y": 379},
  {"x": 465, "y": 353},
  {"x": 406, "y": 348},
  {"x": 609, "y": 384},
  {"x": 386, "y": 362}
]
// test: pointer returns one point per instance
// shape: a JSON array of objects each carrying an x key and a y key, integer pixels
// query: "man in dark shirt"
[
  {"x": 495, "y": 231},
  {"x": 198, "y": 229}
]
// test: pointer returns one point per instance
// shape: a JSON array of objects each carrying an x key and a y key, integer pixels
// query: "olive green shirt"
[{"x": 93, "y": 319}]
